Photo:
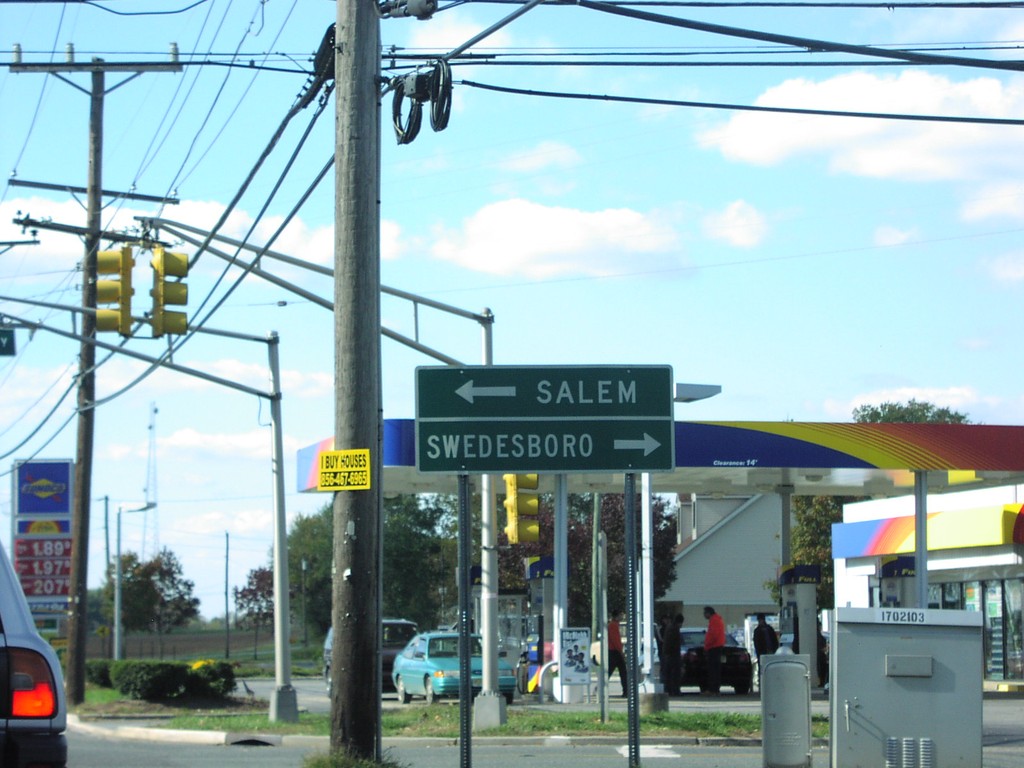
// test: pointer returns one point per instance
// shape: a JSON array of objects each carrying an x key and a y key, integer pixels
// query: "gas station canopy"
[{"x": 743, "y": 458}]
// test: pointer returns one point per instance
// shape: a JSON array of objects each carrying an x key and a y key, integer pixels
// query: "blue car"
[{"x": 429, "y": 667}]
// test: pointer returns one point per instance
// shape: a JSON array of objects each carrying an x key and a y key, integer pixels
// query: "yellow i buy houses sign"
[{"x": 347, "y": 470}]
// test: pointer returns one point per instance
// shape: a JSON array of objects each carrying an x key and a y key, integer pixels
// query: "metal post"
[
  {"x": 227, "y": 605},
  {"x": 652, "y": 683},
  {"x": 632, "y": 638},
  {"x": 117, "y": 592},
  {"x": 561, "y": 584},
  {"x": 921, "y": 538},
  {"x": 118, "y": 576},
  {"x": 465, "y": 600},
  {"x": 601, "y": 609},
  {"x": 283, "y": 701},
  {"x": 489, "y": 707}
]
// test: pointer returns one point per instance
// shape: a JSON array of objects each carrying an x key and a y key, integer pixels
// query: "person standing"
[
  {"x": 616, "y": 658},
  {"x": 672, "y": 663},
  {"x": 714, "y": 642},
  {"x": 766, "y": 642}
]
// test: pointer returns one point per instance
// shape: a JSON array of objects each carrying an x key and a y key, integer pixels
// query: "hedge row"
[{"x": 153, "y": 680}]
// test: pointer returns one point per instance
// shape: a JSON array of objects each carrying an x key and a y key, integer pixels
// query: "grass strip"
[{"x": 442, "y": 721}]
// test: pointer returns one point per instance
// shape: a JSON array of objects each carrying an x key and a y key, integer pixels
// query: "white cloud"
[
  {"x": 740, "y": 224},
  {"x": 879, "y": 148},
  {"x": 887, "y": 236},
  {"x": 1008, "y": 268},
  {"x": 536, "y": 241},
  {"x": 448, "y": 31},
  {"x": 545, "y": 156},
  {"x": 245, "y": 522},
  {"x": 391, "y": 245},
  {"x": 1004, "y": 200}
]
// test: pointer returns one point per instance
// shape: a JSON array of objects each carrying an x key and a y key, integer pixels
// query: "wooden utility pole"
[
  {"x": 355, "y": 666},
  {"x": 82, "y": 485}
]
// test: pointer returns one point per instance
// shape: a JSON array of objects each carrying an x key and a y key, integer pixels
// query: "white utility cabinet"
[{"x": 906, "y": 688}]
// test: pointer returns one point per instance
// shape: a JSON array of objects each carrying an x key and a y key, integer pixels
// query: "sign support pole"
[
  {"x": 465, "y": 599},
  {"x": 632, "y": 638}
]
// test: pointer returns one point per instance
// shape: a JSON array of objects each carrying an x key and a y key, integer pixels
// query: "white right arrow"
[
  {"x": 467, "y": 391},
  {"x": 648, "y": 444}
]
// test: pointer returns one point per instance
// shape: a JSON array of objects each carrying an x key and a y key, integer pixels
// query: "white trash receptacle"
[{"x": 786, "y": 710}]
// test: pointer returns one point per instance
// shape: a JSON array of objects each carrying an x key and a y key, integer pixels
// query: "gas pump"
[
  {"x": 896, "y": 574},
  {"x": 540, "y": 582},
  {"x": 798, "y": 615}
]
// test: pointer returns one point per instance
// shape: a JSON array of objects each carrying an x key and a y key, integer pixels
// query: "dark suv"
[
  {"x": 33, "y": 713},
  {"x": 395, "y": 633}
]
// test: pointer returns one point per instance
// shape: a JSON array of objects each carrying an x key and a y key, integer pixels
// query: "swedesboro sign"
[{"x": 546, "y": 419}]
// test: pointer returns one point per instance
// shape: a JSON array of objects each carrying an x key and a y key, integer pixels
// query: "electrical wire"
[
  {"x": 807, "y": 43},
  {"x": 743, "y": 107},
  {"x": 237, "y": 106}
]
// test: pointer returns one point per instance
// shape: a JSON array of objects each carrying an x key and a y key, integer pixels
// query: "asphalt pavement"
[{"x": 1003, "y": 737}]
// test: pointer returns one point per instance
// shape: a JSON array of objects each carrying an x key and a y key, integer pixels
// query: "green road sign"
[
  {"x": 544, "y": 419},
  {"x": 7, "y": 342}
]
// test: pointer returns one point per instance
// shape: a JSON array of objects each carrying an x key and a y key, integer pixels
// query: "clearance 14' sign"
[{"x": 544, "y": 419}]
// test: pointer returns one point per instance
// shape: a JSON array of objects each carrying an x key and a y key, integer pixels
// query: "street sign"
[
  {"x": 344, "y": 470},
  {"x": 7, "y": 346},
  {"x": 544, "y": 419}
]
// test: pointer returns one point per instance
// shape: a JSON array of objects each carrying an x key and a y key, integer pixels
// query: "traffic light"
[
  {"x": 168, "y": 264},
  {"x": 521, "y": 501},
  {"x": 118, "y": 291}
]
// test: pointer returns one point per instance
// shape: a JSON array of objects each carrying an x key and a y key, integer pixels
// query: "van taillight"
[{"x": 31, "y": 685}]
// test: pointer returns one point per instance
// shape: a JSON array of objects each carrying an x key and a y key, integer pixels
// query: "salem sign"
[{"x": 544, "y": 419}]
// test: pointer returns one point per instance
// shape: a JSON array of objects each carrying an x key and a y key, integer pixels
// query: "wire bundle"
[{"x": 419, "y": 87}]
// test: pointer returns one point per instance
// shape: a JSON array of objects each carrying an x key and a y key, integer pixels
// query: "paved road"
[{"x": 101, "y": 747}]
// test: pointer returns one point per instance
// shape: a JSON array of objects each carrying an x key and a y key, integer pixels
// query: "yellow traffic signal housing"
[
  {"x": 175, "y": 293},
  {"x": 521, "y": 505},
  {"x": 118, "y": 291}
]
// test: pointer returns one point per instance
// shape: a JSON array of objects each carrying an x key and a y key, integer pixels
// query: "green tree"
[
  {"x": 418, "y": 576},
  {"x": 176, "y": 605},
  {"x": 310, "y": 539},
  {"x": 580, "y": 531},
  {"x": 155, "y": 595},
  {"x": 813, "y": 516},
  {"x": 912, "y": 412},
  {"x": 138, "y": 594},
  {"x": 254, "y": 603}
]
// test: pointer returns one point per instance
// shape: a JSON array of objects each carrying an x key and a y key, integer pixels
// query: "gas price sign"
[{"x": 43, "y": 565}]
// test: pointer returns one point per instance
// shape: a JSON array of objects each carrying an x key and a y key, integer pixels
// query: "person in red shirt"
[
  {"x": 714, "y": 642},
  {"x": 616, "y": 658}
]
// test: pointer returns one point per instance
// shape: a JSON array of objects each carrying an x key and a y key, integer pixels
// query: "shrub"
[
  {"x": 211, "y": 678},
  {"x": 149, "y": 680},
  {"x": 97, "y": 672}
]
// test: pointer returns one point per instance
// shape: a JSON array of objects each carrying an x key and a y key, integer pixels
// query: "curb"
[{"x": 229, "y": 738}]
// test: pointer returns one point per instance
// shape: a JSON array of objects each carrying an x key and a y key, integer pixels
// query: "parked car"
[
  {"x": 737, "y": 667},
  {"x": 33, "y": 711},
  {"x": 395, "y": 633},
  {"x": 429, "y": 667}
]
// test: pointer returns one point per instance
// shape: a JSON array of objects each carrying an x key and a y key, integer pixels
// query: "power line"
[{"x": 743, "y": 107}]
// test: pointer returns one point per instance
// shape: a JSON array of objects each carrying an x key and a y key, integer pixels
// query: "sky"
[{"x": 806, "y": 263}]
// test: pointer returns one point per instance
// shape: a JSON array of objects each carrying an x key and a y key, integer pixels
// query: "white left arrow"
[
  {"x": 467, "y": 391},
  {"x": 648, "y": 444}
]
